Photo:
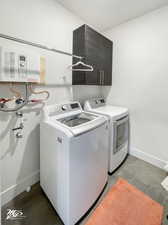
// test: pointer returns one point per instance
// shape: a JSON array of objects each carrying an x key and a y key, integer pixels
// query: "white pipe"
[{"x": 38, "y": 45}]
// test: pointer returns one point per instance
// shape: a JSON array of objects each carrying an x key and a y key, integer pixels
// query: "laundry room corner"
[{"x": 139, "y": 82}]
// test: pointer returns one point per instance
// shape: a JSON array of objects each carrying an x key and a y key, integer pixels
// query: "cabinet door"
[
  {"x": 106, "y": 73},
  {"x": 93, "y": 42},
  {"x": 93, "y": 78},
  {"x": 99, "y": 54},
  {"x": 78, "y": 77}
]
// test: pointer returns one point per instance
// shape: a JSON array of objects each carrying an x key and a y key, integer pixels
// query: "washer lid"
[
  {"x": 113, "y": 112},
  {"x": 78, "y": 119},
  {"x": 81, "y": 123}
]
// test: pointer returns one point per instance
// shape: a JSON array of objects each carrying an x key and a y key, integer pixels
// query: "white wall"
[
  {"x": 140, "y": 82},
  {"x": 47, "y": 23}
]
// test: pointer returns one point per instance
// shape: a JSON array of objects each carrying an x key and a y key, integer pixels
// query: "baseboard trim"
[
  {"x": 148, "y": 157},
  {"x": 11, "y": 192}
]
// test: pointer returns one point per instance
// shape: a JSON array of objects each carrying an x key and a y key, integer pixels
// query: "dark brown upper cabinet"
[{"x": 97, "y": 51}]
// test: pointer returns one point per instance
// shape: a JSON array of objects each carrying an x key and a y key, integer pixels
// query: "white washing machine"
[
  {"x": 73, "y": 159},
  {"x": 119, "y": 129}
]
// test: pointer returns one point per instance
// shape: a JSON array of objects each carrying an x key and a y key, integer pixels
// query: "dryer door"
[{"x": 121, "y": 134}]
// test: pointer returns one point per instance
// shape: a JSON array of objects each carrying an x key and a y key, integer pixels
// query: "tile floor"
[{"x": 38, "y": 210}]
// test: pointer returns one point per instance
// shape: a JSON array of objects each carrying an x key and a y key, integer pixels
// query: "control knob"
[{"x": 64, "y": 107}]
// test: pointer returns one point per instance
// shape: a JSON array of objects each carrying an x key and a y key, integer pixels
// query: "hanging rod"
[{"x": 38, "y": 45}]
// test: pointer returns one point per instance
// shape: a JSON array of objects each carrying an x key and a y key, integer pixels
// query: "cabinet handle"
[{"x": 102, "y": 76}]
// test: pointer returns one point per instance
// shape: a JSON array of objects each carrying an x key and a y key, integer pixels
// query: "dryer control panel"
[{"x": 97, "y": 102}]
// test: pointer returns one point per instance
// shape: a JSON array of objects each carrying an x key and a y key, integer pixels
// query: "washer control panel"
[
  {"x": 70, "y": 107},
  {"x": 63, "y": 108},
  {"x": 74, "y": 106}
]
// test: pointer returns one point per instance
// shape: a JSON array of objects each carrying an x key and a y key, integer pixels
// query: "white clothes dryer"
[{"x": 118, "y": 118}]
